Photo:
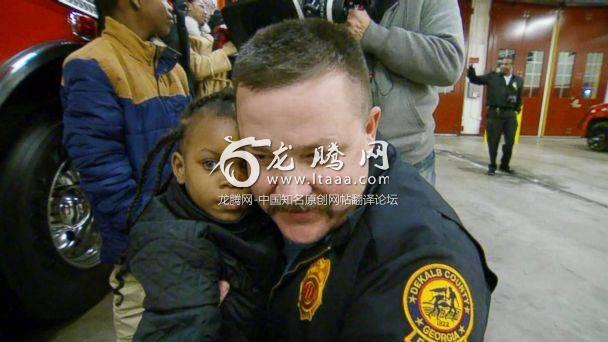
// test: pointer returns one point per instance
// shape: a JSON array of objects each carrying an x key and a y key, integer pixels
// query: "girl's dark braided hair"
[{"x": 220, "y": 104}]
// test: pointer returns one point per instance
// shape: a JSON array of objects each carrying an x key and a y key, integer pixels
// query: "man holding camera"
[
  {"x": 411, "y": 46},
  {"x": 504, "y": 102}
]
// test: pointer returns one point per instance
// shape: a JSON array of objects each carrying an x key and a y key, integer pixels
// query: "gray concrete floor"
[
  {"x": 545, "y": 234},
  {"x": 544, "y": 230}
]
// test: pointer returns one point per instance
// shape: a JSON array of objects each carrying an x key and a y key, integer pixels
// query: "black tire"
[
  {"x": 597, "y": 139},
  {"x": 36, "y": 280}
]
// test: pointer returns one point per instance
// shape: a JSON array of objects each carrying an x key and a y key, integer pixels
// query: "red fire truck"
[
  {"x": 49, "y": 244},
  {"x": 595, "y": 126}
]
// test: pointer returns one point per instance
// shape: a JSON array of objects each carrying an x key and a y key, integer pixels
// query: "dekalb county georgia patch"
[
  {"x": 438, "y": 305},
  {"x": 311, "y": 288}
]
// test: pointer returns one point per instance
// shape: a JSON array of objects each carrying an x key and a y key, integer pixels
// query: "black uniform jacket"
[
  {"x": 179, "y": 253},
  {"x": 389, "y": 273},
  {"x": 500, "y": 94}
]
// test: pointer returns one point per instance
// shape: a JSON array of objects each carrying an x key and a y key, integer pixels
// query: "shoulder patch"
[
  {"x": 438, "y": 304},
  {"x": 311, "y": 288}
]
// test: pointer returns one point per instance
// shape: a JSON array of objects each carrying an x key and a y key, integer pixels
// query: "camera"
[
  {"x": 332, "y": 10},
  {"x": 243, "y": 18}
]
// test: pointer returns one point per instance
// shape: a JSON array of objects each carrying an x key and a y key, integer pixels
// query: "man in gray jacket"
[{"x": 411, "y": 46}]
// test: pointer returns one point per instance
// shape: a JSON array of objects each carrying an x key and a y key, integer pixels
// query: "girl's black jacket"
[{"x": 179, "y": 253}]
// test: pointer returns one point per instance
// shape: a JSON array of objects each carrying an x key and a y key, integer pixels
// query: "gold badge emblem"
[
  {"x": 438, "y": 305},
  {"x": 311, "y": 288}
]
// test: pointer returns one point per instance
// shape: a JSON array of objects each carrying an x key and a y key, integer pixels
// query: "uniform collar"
[
  {"x": 144, "y": 51},
  {"x": 353, "y": 219}
]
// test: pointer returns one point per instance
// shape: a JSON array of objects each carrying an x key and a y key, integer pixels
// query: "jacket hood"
[
  {"x": 175, "y": 205},
  {"x": 343, "y": 234},
  {"x": 174, "y": 216},
  {"x": 177, "y": 200}
]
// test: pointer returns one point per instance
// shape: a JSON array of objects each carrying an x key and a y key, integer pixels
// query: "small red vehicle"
[
  {"x": 49, "y": 244},
  {"x": 595, "y": 126}
]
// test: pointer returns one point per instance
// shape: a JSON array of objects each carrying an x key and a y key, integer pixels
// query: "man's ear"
[
  {"x": 136, "y": 4},
  {"x": 178, "y": 165},
  {"x": 371, "y": 127}
]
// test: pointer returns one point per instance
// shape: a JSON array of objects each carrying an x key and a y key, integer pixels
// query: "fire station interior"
[{"x": 543, "y": 228}]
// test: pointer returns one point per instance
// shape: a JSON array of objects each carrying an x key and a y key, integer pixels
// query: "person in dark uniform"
[
  {"x": 504, "y": 102},
  {"x": 358, "y": 269}
]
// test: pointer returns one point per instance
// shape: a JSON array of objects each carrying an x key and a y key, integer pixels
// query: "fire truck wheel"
[
  {"x": 48, "y": 239},
  {"x": 597, "y": 139}
]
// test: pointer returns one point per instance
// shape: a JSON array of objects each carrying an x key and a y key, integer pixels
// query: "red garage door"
[
  {"x": 525, "y": 31},
  {"x": 581, "y": 68}
]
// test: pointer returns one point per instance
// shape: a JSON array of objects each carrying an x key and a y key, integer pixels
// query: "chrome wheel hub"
[{"x": 70, "y": 220}]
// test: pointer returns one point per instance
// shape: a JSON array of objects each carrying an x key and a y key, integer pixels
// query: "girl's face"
[
  {"x": 201, "y": 149},
  {"x": 197, "y": 13},
  {"x": 206, "y": 15}
]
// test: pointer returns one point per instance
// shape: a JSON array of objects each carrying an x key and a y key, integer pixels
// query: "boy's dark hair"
[
  {"x": 297, "y": 50},
  {"x": 220, "y": 104},
  {"x": 104, "y": 7}
]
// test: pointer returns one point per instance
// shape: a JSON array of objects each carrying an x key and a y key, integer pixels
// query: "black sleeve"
[
  {"x": 180, "y": 279},
  {"x": 250, "y": 266},
  {"x": 436, "y": 290},
  {"x": 473, "y": 78}
]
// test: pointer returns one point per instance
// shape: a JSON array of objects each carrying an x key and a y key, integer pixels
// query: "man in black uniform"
[
  {"x": 368, "y": 264},
  {"x": 504, "y": 102}
]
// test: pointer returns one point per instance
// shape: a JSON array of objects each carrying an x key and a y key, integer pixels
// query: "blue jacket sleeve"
[{"x": 93, "y": 123}]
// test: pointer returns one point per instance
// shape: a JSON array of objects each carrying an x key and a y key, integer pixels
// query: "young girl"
[
  {"x": 209, "y": 68},
  {"x": 184, "y": 243}
]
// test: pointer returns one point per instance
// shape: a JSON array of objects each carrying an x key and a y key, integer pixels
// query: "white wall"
[{"x": 478, "y": 40}]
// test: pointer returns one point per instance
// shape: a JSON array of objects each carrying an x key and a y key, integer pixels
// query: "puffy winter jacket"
[
  {"x": 120, "y": 95},
  {"x": 178, "y": 253},
  {"x": 209, "y": 68}
]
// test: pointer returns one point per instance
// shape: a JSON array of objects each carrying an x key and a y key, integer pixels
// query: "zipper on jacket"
[
  {"x": 154, "y": 65},
  {"x": 294, "y": 270},
  {"x": 157, "y": 77}
]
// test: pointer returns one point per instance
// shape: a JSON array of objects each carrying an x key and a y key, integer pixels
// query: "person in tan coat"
[{"x": 209, "y": 68}]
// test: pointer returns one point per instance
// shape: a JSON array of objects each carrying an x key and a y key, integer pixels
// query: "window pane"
[
  {"x": 534, "y": 68},
  {"x": 591, "y": 80},
  {"x": 563, "y": 77}
]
